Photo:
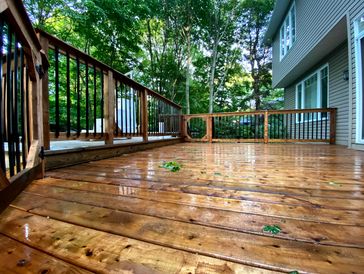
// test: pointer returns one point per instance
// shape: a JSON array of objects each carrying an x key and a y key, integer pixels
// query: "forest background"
[{"x": 206, "y": 55}]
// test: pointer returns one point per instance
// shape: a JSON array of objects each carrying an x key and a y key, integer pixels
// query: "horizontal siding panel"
[{"x": 312, "y": 25}]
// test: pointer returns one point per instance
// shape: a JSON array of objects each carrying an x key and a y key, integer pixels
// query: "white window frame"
[
  {"x": 359, "y": 82},
  {"x": 319, "y": 94},
  {"x": 283, "y": 38}
]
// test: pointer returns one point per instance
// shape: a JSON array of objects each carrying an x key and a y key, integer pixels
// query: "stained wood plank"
[
  {"x": 344, "y": 217},
  {"x": 201, "y": 200},
  {"x": 325, "y": 234},
  {"x": 237, "y": 247},
  {"x": 219, "y": 178},
  {"x": 108, "y": 253},
  {"x": 18, "y": 258},
  {"x": 209, "y": 189}
]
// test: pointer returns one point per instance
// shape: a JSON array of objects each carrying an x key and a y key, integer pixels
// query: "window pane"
[
  {"x": 293, "y": 20},
  {"x": 324, "y": 87},
  {"x": 299, "y": 96},
  {"x": 282, "y": 41},
  {"x": 310, "y": 92},
  {"x": 287, "y": 33},
  {"x": 361, "y": 24}
]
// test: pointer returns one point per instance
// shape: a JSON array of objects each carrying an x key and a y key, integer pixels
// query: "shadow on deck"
[{"x": 129, "y": 214}]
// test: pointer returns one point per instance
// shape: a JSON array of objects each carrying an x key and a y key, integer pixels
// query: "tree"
[{"x": 253, "y": 22}]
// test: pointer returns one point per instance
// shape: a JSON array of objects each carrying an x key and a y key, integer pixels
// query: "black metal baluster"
[
  {"x": 321, "y": 126},
  {"x": 317, "y": 120},
  {"x": 130, "y": 111},
  {"x": 10, "y": 104},
  {"x": 286, "y": 127},
  {"x": 56, "y": 68},
  {"x": 16, "y": 106},
  {"x": 27, "y": 105},
  {"x": 304, "y": 125},
  {"x": 102, "y": 102},
  {"x": 299, "y": 127},
  {"x": 95, "y": 99},
  {"x": 68, "y": 95},
  {"x": 87, "y": 102},
  {"x": 117, "y": 107},
  {"x": 2, "y": 101},
  {"x": 22, "y": 110},
  {"x": 78, "y": 87},
  {"x": 326, "y": 126},
  {"x": 122, "y": 109},
  {"x": 312, "y": 124}
]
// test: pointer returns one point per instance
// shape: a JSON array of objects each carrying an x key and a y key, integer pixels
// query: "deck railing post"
[
  {"x": 144, "y": 108},
  {"x": 183, "y": 124},
  {"x": 266, "y": 127},
  {"x": 109, "y": 105},
  {"x": 45, "y": 94},
  {"x": 332, "y": 126},
  {"x": 209, "y": 128}
]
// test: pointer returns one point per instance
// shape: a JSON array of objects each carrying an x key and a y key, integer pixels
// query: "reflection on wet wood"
[
  {"x": 152, "y": 219},
  {"x": 105, "y": 252},
  {"x": 19, "y": 258}
]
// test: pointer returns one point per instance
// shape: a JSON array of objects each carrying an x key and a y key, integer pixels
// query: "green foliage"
[
  {"x": 155, "y": 40},
  {"x": 172, "y": 166},
  {"x": 294, "y": 272},
  {"x": 274, "y": 229}
]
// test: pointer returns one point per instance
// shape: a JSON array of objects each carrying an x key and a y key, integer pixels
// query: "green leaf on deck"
[
  {"x": 172, "y": 166},
  {"x": 217, "y": 174},
  {"x": 274, "y": 229},
  {"x": 293, "y": 272}
]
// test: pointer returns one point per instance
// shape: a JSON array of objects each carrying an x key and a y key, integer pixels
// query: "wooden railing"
[
  {"x": 307, "y": 125},
  {"x": 22, "y": 66},
  {"x": 87, "y": 99}
]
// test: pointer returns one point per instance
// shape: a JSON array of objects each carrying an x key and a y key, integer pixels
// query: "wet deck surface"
[{"x": 129, "y": 214}]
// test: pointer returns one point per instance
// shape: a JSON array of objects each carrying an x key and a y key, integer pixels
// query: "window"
[
  {"x": 288, "y": 31},
  {"x": 359, "y": 57},
  {"x": 312, "y": 92}
]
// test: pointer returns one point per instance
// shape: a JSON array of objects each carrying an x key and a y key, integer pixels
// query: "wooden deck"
[{"x": 128, "y": 215}]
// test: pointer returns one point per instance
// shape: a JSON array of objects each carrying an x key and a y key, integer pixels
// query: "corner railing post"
[
  {"x": 266, "y": 127},
  {"x": 332, "y": 126},
  {"x": 109, "y": 106},
  {"x": 144, "y": 108}
]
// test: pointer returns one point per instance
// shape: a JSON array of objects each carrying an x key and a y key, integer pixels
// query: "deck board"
[{"x": 208, "y": 216}]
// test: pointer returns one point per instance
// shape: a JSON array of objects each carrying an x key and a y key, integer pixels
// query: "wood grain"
[
  {"x": 108, "y": 253},
  {"x": 22, "y": 259}
]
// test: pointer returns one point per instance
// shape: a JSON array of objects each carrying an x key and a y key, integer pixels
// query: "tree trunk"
[
  {"x": 212, "y": 75},
  {"x": 188, "y": 73}
]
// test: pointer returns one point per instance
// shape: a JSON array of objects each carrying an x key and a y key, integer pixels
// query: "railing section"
[
  {"x": 308, "y": 125},
  {"x": 89, "y": 100},
  {"x": 164, "y": 117},
  {"x": 15, "y": 126}
]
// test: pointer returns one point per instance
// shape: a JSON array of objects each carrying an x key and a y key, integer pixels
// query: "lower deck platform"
[{"x": 231, "y": 208}]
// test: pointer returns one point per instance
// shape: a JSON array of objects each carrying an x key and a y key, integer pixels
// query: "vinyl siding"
[
  {"x": 338, "y": 90},
  {"x": 314, "y": 19},
  {"x": 355, "y": 10}
]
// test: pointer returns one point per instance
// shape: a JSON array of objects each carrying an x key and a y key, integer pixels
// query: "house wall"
[
  {"x": 314, "y": 19},
  {"x": 338, "y": 91},
  {"x": 356, "y": 9}
]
